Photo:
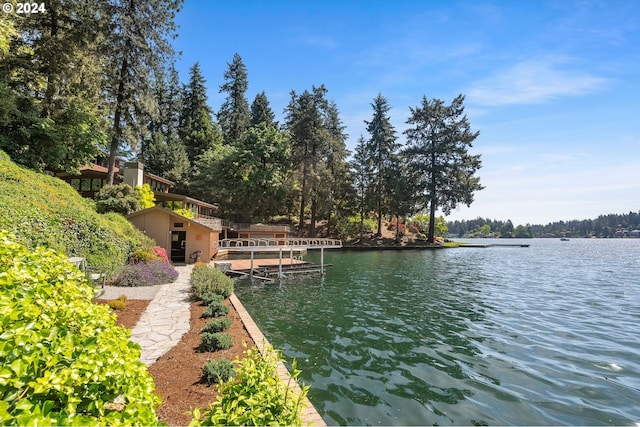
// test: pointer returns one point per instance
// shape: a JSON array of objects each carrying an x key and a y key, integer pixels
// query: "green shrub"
[
  {"x": 217, "y": 325},
  {"x": 256, "y": 396},
  {"x": 63, "y": 359},
  {"x": 206, "y": 279},
  {"x": 120, "y": 198},
  {"x": 216, "y": 341},
  {"x": 211, "y": 297},
  {"x": 40, "y": 210},
  {"x": 142, "y": 255},
  {"x": 216, "y": 309},
  {"x": 146, "y": 198},
  {"x": 349, "y": 228},
  {"x": 117, "y": 304},
  {"x": 216, "y": 371}
]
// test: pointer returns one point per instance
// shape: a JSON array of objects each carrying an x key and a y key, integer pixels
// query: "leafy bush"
[
  {"x": 44, "y": 211},
  {"x": 211, "y": 297},
  {"x": 216, "y": 371},
  {"x": 146, "y": 198},
  {"x": 149, "y": 274},
  {"x": 256, "y": 396},
  {"x": 349, "y": 228},
  {"x": 206, "y": 279},
  {"x": 141, "y": 256},
  {"x": 216, "y": 309},
  {"x": 217, "y": 325},
  {"x": 120, "y": 198},
  {"x": 118, "y": 304},
  {"x": 187, "y": 213},
  {"x": 161, "y": 253},
  {"x": 215, "y": 341},
  {"x": 63, "y": 359}
]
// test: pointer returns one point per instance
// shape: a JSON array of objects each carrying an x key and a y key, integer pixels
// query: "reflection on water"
[{"x": 539, "y": 335}]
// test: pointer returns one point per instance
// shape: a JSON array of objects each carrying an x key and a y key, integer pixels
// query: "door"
[{"x": 178, "y": 246}]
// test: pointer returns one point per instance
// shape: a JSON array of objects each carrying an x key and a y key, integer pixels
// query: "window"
[
  {"x": 85, "y": 185},
  {"x": 96, "y": 184},
  {"x": 75, "y": 183},
  {"x": 178, "y": 224}
]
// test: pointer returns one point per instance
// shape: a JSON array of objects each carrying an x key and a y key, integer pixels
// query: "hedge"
[{"x": 63, "y": 359}]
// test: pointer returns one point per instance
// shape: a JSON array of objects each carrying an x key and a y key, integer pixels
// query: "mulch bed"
[{"x": 178, "y": 372}]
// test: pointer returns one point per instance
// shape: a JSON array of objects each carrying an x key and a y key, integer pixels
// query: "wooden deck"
[{"x": 245, "y": 264}]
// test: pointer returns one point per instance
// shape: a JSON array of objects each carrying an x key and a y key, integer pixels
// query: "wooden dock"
[{"x": 268, "y": 269}]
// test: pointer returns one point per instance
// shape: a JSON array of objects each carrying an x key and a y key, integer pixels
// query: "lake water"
[{"x": 544, "y": 335}]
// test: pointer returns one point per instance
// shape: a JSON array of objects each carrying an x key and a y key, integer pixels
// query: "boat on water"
[{"x": 564, "y": 239}]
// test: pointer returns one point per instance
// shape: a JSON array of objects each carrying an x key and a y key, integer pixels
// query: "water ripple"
[{"x": 540, "y": 336}]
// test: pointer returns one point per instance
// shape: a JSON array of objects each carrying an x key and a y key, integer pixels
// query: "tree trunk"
[
  {"x": 303, "y": 200},
  {"x": 117, "y": 118},
  {"x": 397, "y": 229},
  {"x": 312, "y": 225},
  {"x": 432, "y": 221}
]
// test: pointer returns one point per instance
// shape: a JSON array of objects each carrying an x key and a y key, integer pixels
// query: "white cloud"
[{"x": 534, "y": 81}]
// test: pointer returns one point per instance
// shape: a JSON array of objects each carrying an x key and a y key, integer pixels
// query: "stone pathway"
[{"x": 166, "y": 319}]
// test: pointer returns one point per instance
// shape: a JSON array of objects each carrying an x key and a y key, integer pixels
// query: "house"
[
  {"x": 181, "y": 237},
  {"x": 93, "y": 177}
]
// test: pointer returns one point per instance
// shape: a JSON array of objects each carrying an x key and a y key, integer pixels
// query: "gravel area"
[{"x": 138, "y": 292}]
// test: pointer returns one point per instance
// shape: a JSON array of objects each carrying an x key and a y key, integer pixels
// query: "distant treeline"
[{"x": 611, "y": 225}]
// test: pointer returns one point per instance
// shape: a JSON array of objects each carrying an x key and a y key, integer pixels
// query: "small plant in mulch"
[
  {"x": 118, "y": 304},
  {"x": 205, "y": 278},
  {"x": 211, "y": 297},
  {"x": 213, "y": 342},
  {"x": 216, "y": 371},
  {"x": 217, "y": 325},
  {"x": 215, "y": 310}
]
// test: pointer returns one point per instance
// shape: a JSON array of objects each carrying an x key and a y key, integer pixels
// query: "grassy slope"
[{"x": 44, "y": 211}]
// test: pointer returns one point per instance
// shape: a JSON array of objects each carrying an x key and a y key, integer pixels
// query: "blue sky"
[{"x": 552, "y": 86}]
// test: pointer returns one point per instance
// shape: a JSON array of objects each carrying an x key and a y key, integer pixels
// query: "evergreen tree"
[
  {"x": 317, "y": 138},
  {"x": 197, "y": 130},
  {"x": 234, "y": 116},
  {"x": 261, "y": 111},
  {"x": 50, "y": 80},
  {"x": 139, "y": 47},
  {"x": 438, "y": 157},
  {"x": 380, "y": 149},
  {"x": 361, "y": 172},
  {"x": 163, "y": 153}
]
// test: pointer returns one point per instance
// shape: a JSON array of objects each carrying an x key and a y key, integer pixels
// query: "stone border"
[{"x": 309, "y": 414}]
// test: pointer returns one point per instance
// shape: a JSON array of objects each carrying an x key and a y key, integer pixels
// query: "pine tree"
[
  {"x": 163, "y": 153},
  {"x": 139, "y": 47},
  {"x": 318, "y": 149},
  {"x": 361, "y": 168},
  {"x": 261, "y": 111},
  {"x": 438, "y": 157},
  {"x": 197, "y": 130},
  {"x": 380, "y": 149},
  {"x": 234, "y": 116},
  {"x": 50, "y": 78}
]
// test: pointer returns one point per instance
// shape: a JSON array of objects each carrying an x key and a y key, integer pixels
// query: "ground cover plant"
[
  {"x": 216, "y": 309},
  {"x": 216, "y": 371},
  {"x": 154, "y": 272},
  {"x": 63, "y": 360},
  {"x": 211, "y": 342},
  {"x": 217, "y": 325},
  {"x": 206, "y": 279},
  {"x": 40, "y": 210},
  {"x": 255, "y": 395}
]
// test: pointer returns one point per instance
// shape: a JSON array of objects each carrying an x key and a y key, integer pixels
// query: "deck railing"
[{"x": 296, "y": 242}]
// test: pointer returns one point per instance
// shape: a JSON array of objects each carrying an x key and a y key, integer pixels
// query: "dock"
[
  {"x": 493, "y": 245},
  {"x": 274, "y": 268}
]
